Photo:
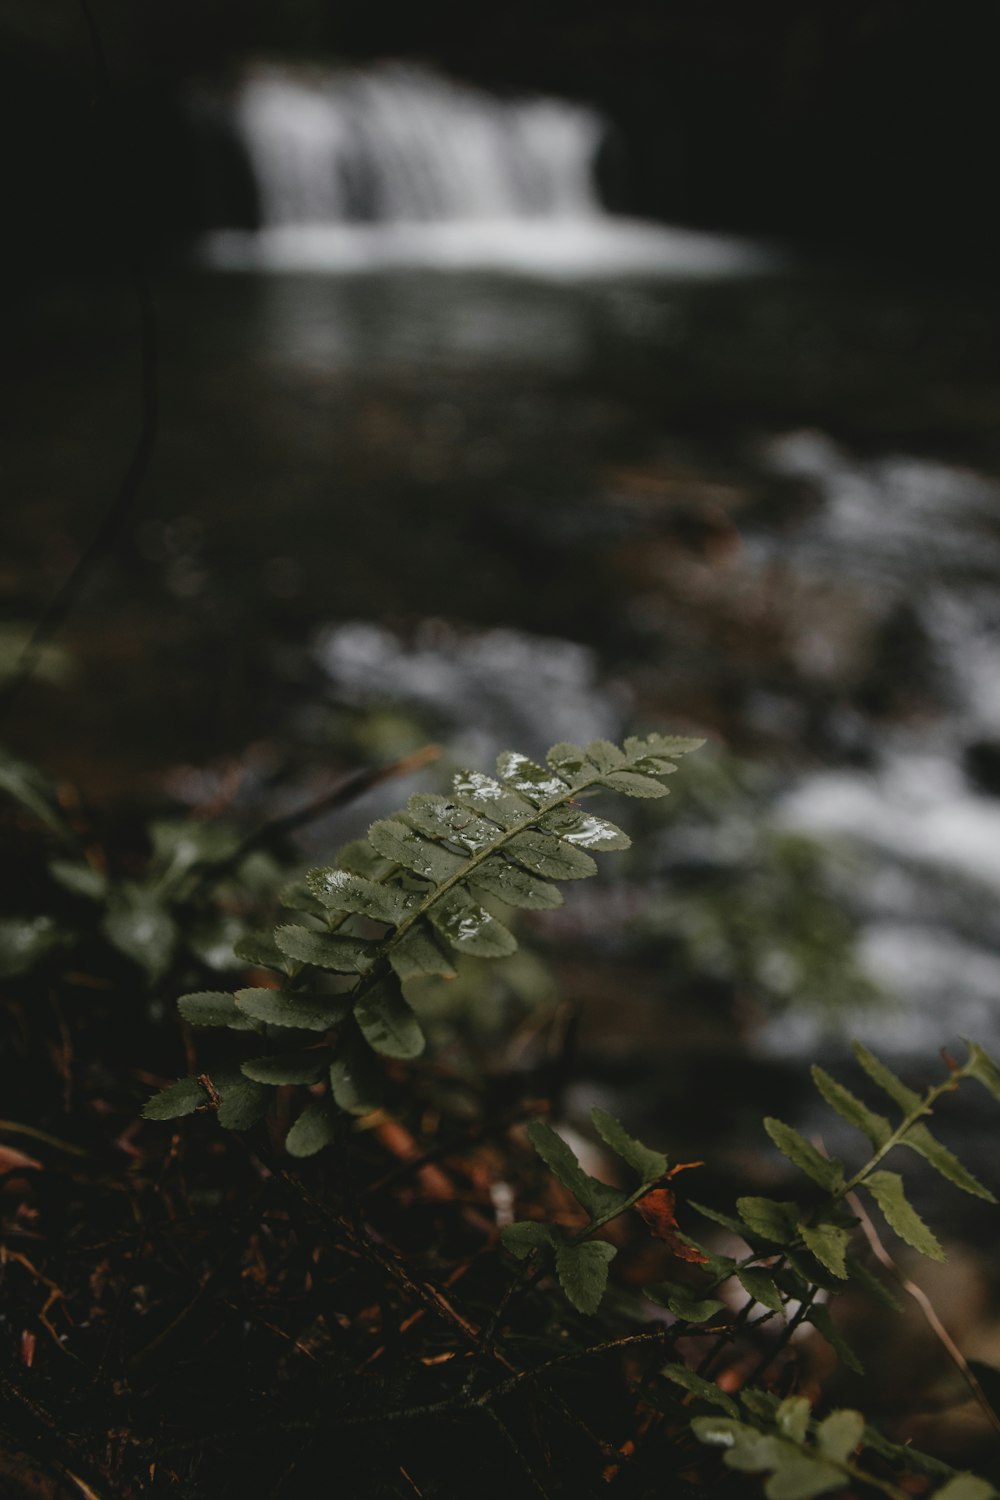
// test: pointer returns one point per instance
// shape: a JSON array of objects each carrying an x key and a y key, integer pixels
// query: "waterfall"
[
  {"x": 398, "y": 145},
  {"x": 395, "y": 165}
]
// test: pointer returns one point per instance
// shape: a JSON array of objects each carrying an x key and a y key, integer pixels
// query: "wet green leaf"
[
  {"x": 242, "y": 1101},
  {"x": 761, "y": 1287},
  {"x": 792, "y": 1418},
  {"x": 439, "y": 817},
  {"x": 544, "y": 855},
  {"x": 829, "y": 1174},
  {"x": 325, "y": 950},
  {"x": 584, "y": 830},
  {"x": 404, "y": 846},
  {"x": 583, "y": 1272},
  {"x": 141, "y": 928},
  {"x": 387, "y": 1021},
  {"x": 300, "y": 1011},
  {"x": 648, "y": 1165},
  {"x": 569, "y": 761},
  {"x": 828, "y": 1242},
  {"x": 482, "y": 794},
  {"x": 261, "y": 951},
  {"x": 79, "y": 878},
  {"x": 416, "y": 953},
  {"x": 683, "y": 1302},
  {"x": 605, "y": 756},
  {"x": 887, "y": 1190},
  {"x": 359, "y": 858},
  {"x": 899, "y": 1092},
  {"x": 526, "y": 1236},
  {"x": 839, "y": 1434},
  {"x": 596, "y": 1197},
  {"x": 819, "y": 1316},
  {"x": 800, "y": 1477},
  {"x": 769, "y": 1218},
  {"x": 35, "y": 793},
  {"x": 315, "y": 1128},
  {"x": 982, "y": 1068},
  {"x": 706, "y": 1390},
  {"x": 341, "y": 891},
  {"x": 634, "y": 785},
  {"x": 919, "y": 1139},
  {"x": 656, "y": 753},
  {"x": 24, "y": 941},
  {"x": 538, "y": 783},
  {"x": 289, "y": 1067},
  {"x": 496, "y": 876},
  {"x": 213, "y": 1008},
  {"x": 965, "y": 1487},
  {"x": 355, "y": 1077},
  {"x": 875, "y": 1127},
  {"x": 862, "y": 1274},
  {"x": 469, "y": 927},
  {"x": 180, "y": 1098}
]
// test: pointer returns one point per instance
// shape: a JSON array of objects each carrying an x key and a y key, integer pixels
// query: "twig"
[{"x": 922, "y": 1300}]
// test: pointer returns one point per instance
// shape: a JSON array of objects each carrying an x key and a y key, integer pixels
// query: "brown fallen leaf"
[{"x": 658, "y": 1209}]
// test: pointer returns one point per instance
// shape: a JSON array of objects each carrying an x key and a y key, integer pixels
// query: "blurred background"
[
  {"x": 545, "y": 373},
  {"x": 567, "y": 371}
]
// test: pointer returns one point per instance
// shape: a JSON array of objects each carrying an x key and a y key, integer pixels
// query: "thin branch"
[{"x": 922, "y": 1300}]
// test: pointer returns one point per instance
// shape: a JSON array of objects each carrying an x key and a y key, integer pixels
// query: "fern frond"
[{"x": 412, "y": 900}]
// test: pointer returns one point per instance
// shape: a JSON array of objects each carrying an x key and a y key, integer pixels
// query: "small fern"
[
  {"x": 410, "y": 900},
  {"x": 799, "y": 1253}
]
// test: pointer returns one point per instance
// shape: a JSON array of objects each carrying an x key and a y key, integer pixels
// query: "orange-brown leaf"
[{"x": 658, "y": 1209}]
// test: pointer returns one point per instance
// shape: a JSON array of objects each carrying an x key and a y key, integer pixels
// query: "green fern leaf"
[
  {"x": 387, "y": 1022},
  {"x": 919, "y": 1139},
  {"x": 584, "y": 830},
  {"x": 496, "y": 876},
  {"x": 683, "y": 1302},
  {"x": 315, "y": 1128},
  {"x": 526, "y": 1236},
  {"x": 404, "y": 846},
  {"x": 982, "y": 1068},
  {"x": 440, "y": 818},
  {"x": 887, "y": 1190},
  {"x": 767, "y": 1217},
  {"x": 299, "y": 1011},
  {"x": 829, "y": 1174},
  {"x": 907, "y": 1099},
  {"x": 596, "y": 1197},
  {"x": 415, "y": 953},
  {"x": 538, "y": 783},
  {"x": 875, "y": 1127},
  {"x": 180, "y": 1098},
  {"x": 288, "y": 1067},
  {"x": 583, "y": 1272},
  {"x": 355, "y": 1080},
  {"x": 211, "y": 1008},
  {"x": 469, "y": 927},
  {"x": 839, "y": 1434},
  {"x": 819, "y": 1316},
  {"x": 633, "y": 784},
  {"x": 760, "y": 1286},
  {"x": 706, "y": 1390},
  {"x": 829, "y": 1245},
  {"x": 544, "y": 854},
  {"x": 482, "y": 794},
  {"x": 648, "y": 1165},
  {"x": 325, "y": 950},
  {"x": 340, "y": 891},
  {"x": 242, "y": 1102}
]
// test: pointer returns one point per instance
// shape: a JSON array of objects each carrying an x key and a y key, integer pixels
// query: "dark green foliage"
[{"x": 428, "y": 878}]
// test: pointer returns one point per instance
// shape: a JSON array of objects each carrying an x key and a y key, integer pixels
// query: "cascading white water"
[
  {"x": 395, "y": 165},
  {"x": 400, "y": 145}
]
